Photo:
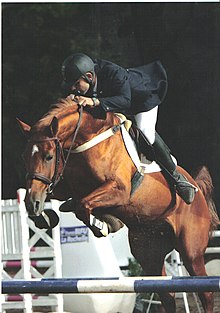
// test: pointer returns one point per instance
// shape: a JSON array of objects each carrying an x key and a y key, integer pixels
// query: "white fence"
[{"x": 21, "y": 252}]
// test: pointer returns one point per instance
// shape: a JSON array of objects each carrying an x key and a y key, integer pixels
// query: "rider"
[{"x": 138, "y": 91}]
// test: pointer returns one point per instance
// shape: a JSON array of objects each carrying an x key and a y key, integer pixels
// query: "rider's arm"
[{"x": 116, "y": 82}]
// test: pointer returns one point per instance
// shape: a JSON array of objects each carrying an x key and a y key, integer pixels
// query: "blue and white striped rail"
[{"x": 113, "y": 285}]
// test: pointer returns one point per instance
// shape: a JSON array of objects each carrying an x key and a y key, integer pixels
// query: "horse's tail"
[{"x": 204, "y": 181}]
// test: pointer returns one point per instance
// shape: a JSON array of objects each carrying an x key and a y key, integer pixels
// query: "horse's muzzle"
[{"x": 34, "y": 205}]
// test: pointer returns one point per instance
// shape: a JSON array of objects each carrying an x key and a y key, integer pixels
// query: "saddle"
[{"x": 143, "y": 146}]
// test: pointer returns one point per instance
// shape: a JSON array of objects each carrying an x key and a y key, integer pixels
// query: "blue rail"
[{"x": 112, "y": 285}]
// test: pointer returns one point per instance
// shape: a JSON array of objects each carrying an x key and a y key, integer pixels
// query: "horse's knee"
[{"x": 122, "y": 192}]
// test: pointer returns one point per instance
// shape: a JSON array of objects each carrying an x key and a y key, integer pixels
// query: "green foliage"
[{"x": 134, "y": 268}]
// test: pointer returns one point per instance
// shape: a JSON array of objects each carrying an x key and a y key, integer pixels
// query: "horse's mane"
[{"x": 62, "y": 107}]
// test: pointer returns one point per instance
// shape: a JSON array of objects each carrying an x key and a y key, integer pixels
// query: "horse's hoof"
[
  {"x": 114, "y": 223},
  {"x": 96, "y": 232},
  {"x": 67, "y": 206},
  {"x": 47, "y": 220}
]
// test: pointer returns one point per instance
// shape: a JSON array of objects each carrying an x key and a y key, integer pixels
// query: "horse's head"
[
  {"x": 62, "y": 126},
  {"x": 43, "y": 162}
]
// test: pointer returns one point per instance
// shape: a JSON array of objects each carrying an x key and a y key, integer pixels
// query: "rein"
[
  {"x": 60, "y": 156},
  {"x": 74, "y": 137}
]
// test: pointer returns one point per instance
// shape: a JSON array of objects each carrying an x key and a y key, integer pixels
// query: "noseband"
[{"x": 58, "y": 175}]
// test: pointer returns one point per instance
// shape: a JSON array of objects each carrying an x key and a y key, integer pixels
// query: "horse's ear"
[
  {"x": 54, "y": 126},
  {"x": 25, "y": 128}
]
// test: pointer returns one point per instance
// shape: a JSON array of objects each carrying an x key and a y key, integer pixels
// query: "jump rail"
[{"x": 113, "y": 285}]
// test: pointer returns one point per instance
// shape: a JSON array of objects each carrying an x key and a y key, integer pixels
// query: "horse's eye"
[{"x": 48, "y": 157}]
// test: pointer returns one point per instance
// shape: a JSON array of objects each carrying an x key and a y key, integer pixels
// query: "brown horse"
[{"x": 99, "y": 178}]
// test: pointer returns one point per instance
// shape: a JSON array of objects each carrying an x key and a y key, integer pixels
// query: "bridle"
[
  {"x": 56, "y": 176},
  {"x": 61, "y": 161}
]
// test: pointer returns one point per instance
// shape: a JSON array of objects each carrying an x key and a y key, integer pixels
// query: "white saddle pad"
[{"x": 147, "y": 166}]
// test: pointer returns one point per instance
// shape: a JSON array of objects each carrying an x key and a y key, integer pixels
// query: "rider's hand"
[{"x": 84, "y": 101}]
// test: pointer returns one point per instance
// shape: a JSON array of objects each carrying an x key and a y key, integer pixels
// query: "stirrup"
[{"x": 185, "y": 189}]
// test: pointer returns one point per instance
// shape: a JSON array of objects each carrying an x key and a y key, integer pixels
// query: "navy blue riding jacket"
[{"x": 131, "y": 90}]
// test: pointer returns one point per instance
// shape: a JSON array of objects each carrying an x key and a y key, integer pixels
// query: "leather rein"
[{"x": 58, "y": 175}]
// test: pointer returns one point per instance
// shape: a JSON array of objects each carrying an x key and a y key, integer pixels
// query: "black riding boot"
[{"x": 162, "y": 155}]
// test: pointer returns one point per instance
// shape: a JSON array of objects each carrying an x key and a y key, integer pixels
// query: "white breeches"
[{"x": 146, "y": 121}]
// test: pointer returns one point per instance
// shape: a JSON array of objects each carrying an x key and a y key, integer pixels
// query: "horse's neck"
[{"x": 89, "y": 127}]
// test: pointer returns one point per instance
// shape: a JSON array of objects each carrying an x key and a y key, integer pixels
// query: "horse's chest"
[{"x": 81, "y": 180}]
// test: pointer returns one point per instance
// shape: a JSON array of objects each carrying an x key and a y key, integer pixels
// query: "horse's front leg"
[{"x": 110, "y": 194}]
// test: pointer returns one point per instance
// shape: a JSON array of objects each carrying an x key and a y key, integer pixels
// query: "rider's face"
[{"x": 81, "y": 85}]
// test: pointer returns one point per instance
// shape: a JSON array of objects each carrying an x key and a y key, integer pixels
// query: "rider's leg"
[
  {"x": 184, "y": 189},
  {"x": 146, "y": 121}
]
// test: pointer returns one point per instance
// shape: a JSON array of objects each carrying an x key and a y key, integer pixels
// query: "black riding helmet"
[{"x": 76, "y": 66}]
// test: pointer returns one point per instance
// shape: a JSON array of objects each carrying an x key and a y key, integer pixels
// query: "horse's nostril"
[{"x": 37, "y": 205}]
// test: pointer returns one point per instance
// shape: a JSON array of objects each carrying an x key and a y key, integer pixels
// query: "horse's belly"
[
  {"x": 134, "y": 214},
  {"x": 152, "y": 200}
]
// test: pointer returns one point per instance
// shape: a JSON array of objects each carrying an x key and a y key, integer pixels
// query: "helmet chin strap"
[{"x": 89, "y": 81}]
